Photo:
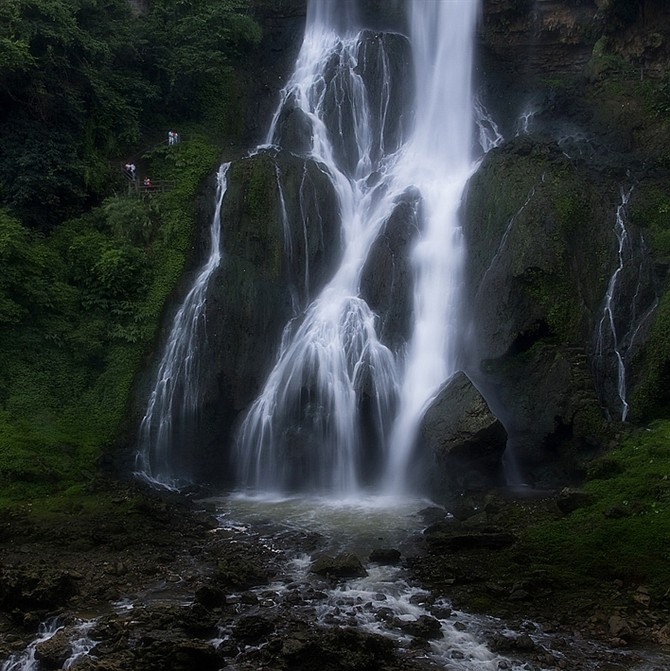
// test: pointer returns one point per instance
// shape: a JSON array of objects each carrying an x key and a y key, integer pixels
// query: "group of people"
[{"x": 131, "y": 169}]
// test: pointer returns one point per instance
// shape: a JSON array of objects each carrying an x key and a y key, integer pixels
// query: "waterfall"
[
  {"x": 608, "y": 339},
  {"x": 629, "y": 303},
  {"x": 438, "y": 161},
  {"x": 173, "y": 405},
  {"x": 304, "y": 430}
]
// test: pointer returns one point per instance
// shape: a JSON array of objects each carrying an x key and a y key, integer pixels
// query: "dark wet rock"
[
  {"x": 53, "y": 652},
  {"x": 570, "y": 499},
  {"x": 620, "y": 628},
  {"x": 425, "y": 627},
  {"x": 432, "y": 514},
  {"x": 385, "y": 556},
  {"x": 210, "y": 596},
  {"x": 34, "y": 588},
  {"x": 346, "y": 565},
  {"x": 342, "y": 649},
  {"x": 441, "y": 612},
  {"x": 441, "y": 540},
  {"x": 294, "y": 130},
  {"x": 513, "y": 643},
  {"x": 465, "y": 438},
  {"x": 383, "y": 61},
  {"x": 251, "y": 629},
  {"x": 534, "y": 221},
  {"x": 199, "y": 621},
  {"x": 241, "y": 573},
  {"x": 387, "y": 276},
  {"x": 177, "y": 654}
]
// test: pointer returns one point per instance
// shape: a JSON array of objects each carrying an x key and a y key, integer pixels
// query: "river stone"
[
  {"x": 53, "y": 652},
  {"x": 425, "y": 627},
  {"x": 340, "y": 649},
  {"x": 463, "y": 435},
  {"x": 346, "y": 565},
  {"x": 251, "y": 629},
  {"x": 385, "y": 556}
]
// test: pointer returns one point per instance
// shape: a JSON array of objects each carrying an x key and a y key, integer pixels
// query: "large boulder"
[{"x": 465, "y": 438}]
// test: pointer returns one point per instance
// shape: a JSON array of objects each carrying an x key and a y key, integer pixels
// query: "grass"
[{"x": 625, "y": 533}]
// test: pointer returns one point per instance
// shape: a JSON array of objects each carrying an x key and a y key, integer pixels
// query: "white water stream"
[
  {"x": 607, "y": 330},
  {"x": 174, "y": 402},
  {"x": 335, "y": 354}
]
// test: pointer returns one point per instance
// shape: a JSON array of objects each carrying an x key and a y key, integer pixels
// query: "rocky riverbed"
[{"x": 154, "y": 580}]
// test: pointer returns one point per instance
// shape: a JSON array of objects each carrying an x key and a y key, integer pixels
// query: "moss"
[
  {"x": 632, "y": 505},
  {"x": 652, "y": 392},
  {"x": 259, "y": 239},
  {"x": 650, "y": 210}
]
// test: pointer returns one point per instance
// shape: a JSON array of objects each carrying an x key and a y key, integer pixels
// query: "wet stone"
[
  {"x": 425, "y": 627},
  {"x": 385, "y": 556},
  {"x": 341, "y": 566},
  {"x": 53, "y": 652},
  {"x": 252, "y": 628},
  {"x": 441, "y": 612}
]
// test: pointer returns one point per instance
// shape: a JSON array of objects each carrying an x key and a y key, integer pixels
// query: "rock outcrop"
[{"x": 464, "y": 437}]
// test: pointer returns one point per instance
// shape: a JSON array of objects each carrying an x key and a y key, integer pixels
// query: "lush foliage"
[
  {"x": 83, "y": 81},
  {"x": 87, "y": 261}
]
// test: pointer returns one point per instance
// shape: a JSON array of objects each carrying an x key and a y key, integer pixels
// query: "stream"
[{"x": 307, "y": 584}]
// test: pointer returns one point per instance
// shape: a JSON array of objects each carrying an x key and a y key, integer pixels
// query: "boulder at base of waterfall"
[
  {"x": 464, "y": 437},
  {"x": 342, "y": 566}
]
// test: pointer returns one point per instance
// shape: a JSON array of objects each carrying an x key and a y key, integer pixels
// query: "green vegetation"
[
  {"x": 625, "y": 533},
  {"x": 87, "y": 262}
]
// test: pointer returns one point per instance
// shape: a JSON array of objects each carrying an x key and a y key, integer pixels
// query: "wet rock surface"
[
  {"x": 174, "y": 587},
  {"x": 464, "y": 436}
]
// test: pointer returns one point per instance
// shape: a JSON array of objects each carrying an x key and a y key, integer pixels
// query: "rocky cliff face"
[
  {"x": 567, "y": 258},
  {"x": 564, "y": 278}
]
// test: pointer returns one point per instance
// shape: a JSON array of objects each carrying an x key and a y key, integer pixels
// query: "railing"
[{"x": 156, "y": 186}]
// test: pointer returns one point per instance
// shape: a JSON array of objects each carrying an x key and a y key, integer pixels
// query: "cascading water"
[
  {"x": 607, "y": 327},
  {"x": 629, "y": 302},
  {"x": 173, "y": 405},
  {"x": 304, "y": 431},
  {"x": 438, "y": 161},
  {"x": 310, "y": 402}
]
